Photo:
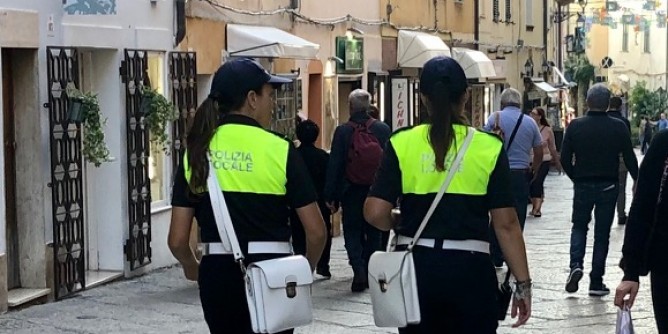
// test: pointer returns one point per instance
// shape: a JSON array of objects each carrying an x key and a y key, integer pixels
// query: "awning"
[
  {"x": 267, "y": 42},
  {"x": 476, "y": 64},
  {"x": 546, "y": 87},
  {"x": 416, "y": 48}
]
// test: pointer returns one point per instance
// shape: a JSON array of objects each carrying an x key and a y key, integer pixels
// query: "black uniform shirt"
[
  {"x": 457, "y": 217},
  {"x": 256, "y": 217}
]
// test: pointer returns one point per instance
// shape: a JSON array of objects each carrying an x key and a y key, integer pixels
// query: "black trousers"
[
  {"x": 659, "y": 280},
  {"x": 299, "y": 237},
  {"x": 457, "y": 292},
  {"x": 537, "y": 188},
  {"x": 223, "y": 296}
]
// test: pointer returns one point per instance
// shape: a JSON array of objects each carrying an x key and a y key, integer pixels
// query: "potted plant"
[
  {"x": 158, "y": 114},
  {"x": 85, "y": 108}
]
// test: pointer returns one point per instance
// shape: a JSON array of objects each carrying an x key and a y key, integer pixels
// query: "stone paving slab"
[{"x": 163, "y": 302}]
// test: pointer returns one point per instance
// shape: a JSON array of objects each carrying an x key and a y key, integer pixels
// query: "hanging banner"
[{"x": 399, "y": 103}]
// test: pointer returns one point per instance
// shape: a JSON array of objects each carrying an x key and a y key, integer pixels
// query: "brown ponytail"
[
  {"x": 204, "y": 125},
  {"x": 443, "y": 103}
]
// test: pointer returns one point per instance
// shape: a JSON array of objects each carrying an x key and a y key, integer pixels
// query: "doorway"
[
  {"x": 345, "y": 88},
  {"x": 9, "y": 141}
]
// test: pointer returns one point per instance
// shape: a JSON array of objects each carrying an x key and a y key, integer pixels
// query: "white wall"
[{"x": 637, "y": 64}]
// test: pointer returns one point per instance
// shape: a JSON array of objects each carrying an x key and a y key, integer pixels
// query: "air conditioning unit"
[{"x": 459, "y": 2}]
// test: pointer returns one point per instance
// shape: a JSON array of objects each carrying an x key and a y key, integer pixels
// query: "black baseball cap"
[
  {"x": 240, "y": 76},
  {"x": 445, "y": 70}
]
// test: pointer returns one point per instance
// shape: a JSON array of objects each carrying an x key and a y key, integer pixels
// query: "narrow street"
[{"x": 163, "y": 302}]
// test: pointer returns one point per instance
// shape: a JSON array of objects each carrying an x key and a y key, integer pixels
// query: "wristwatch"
[{"x": 523, "y": 289}]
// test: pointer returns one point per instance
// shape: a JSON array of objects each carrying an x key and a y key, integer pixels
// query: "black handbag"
[{"x": 503, "y": 296}]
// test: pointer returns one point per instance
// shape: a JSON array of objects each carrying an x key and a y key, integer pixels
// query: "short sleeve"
[
  {"x": 181, "y": 191},
  {"x": 537, "y": 138},
  {"x": 499, "y": 191},
  {"x": 299, "y": 187},
  {"x": 387, "y": 185}
]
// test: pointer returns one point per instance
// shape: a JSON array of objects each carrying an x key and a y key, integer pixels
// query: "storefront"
[{"x": 478, "y": 68}]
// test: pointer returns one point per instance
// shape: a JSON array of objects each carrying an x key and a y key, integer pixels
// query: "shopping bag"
[{"x": 624, "y": 321}]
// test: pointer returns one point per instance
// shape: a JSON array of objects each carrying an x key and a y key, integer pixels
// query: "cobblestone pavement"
[{"x": 163, "y": 302}]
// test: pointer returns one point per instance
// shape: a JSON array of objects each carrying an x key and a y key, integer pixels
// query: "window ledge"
[{"x": 160, "y": 208}]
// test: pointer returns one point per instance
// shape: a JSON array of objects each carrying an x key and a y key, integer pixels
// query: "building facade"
[{"x": 67, "y": 224}]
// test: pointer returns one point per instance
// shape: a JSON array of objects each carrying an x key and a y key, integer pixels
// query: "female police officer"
[
  {"x": 261, "y": 175},
  {"x": 456, "y": 286}
]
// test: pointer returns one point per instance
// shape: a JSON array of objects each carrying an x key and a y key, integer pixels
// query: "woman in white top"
[{"x": 550, "y": 155}]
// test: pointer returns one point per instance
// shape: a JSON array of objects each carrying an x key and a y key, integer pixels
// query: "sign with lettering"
[{"x": 399, "y": 103}]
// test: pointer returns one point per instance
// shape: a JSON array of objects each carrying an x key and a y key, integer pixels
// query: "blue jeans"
[
  {"x": 520, "y": 180},
  {"x": 361, "y": 239},
  {"x": 601, "y": 197}
]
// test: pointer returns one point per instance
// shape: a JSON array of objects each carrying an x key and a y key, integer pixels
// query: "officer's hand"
[
  {"x": 521, "y": 307},
  {"x": 191, "y": 271}
]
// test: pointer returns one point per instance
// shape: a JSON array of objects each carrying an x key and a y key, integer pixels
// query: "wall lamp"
[
  {"x": 350, "y": 31},
  {"x": 336, "y": 59}
]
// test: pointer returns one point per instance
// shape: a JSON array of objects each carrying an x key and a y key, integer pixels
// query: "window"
[
  {"x": 156, "y": 159},
  {"x": 625, "y": 38},
  {"x": 509, "y": 15},
  {"x": 528, "y": 8},
  {"x": 496, "y": 13},
  {"x": 646, "y": 45}
]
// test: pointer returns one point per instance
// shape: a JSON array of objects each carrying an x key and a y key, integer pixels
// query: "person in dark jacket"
[
  {"x": 615, "y": 112},
  {"x": 361, "y": 239},
  {"x": 316, "y": 162},
  {"x": 647, "y": 136},
  {"x": 646, "y": 239},
  {"x": 590, "y": 157}
]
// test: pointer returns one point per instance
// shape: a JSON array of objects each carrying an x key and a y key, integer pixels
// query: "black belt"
[{"x": 523, "y": 170}]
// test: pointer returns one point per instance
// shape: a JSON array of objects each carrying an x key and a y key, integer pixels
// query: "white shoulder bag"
[
  {"x": 278, "y": 291},
  {"x": 393, "y": 284}
]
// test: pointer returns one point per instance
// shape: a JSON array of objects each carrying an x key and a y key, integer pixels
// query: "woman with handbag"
[
  {"x": 260, "y": 179},
  {"x": 645, "y": 247},
  {"x": 550, "y": 156},
  {"x": 456, "y": 281}
]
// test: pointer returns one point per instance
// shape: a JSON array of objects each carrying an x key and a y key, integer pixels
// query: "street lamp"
[
  {"x": 528, "y": 69},
  {"x": 546, "y": 67}
]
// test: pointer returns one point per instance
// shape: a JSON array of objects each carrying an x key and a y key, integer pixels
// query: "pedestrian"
[
  {"x": 663, "y": 122},
  {"x": 647, "y": 135},
  {"x": 590, "y": 157},
  {"x": 615, "y": 112},
  {"x": 259, "y": 179},
  {"x": 641, "y": 132},
  {"x": 550, "y": 156},
  {"x": 357, "y": 149},
  {"x": 374, "y": 112},
  {"x": 645, "y": 247},
  {"x": 521, "y": 137},
  {"x": 316, "y": 162},
  {"x": 457, "y": 286}
]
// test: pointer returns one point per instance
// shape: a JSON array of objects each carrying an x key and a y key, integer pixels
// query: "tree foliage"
[{"x": 645, "y": 102}]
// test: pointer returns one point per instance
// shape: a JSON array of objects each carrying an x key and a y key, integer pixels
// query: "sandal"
[{"x": 537, "y": 214}]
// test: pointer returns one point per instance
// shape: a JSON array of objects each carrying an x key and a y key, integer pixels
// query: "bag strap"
[
  {"x": 221, "y": 214},
  {"x": 451, "y": 173},
  {"x": 517, "y": 127}
]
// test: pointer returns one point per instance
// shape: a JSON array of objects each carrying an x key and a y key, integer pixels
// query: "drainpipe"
[
  {"x": 180, "y": 21},
  {"x": 476, "y": 24},
  {"x": 436, "y": 14},
  {"x": 560, "y": 46},
  {"x": 545, "y": 23}
]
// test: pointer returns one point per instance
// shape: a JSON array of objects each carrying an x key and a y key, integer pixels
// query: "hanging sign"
[{"x": 399, "y": 103}]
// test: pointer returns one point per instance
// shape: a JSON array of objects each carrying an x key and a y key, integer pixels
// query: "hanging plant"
[
  {"x": 85, "y": 108},
  {"x": 158, "y": 114}
]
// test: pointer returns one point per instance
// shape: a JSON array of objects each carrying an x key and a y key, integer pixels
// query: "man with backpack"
[{"x": 357, "y": 149}]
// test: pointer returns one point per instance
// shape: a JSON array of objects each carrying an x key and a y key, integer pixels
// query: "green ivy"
[
  {"x": 159, "y": 114},
  {"x": 95, "y": 148},
  {"x": 644, "y": 102}
]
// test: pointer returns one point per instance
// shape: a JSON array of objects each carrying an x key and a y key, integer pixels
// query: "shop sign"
[
  {"x": 399, "y": 103},
  {"x": 351, "y": 51}
]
